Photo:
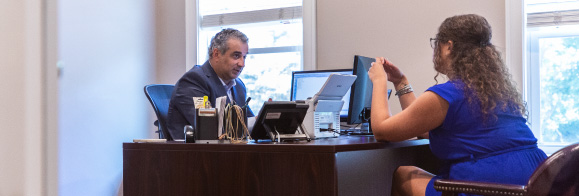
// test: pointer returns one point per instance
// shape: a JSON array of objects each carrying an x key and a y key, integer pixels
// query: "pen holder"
[{"x": 206, "y": 126}]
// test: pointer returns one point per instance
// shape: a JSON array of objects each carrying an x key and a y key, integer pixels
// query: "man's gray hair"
[{"x": 219, "y": 41}]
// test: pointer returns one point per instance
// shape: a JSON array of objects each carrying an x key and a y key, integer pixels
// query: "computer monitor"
[
  {"x": 307, "y": 83},
  {"x": 361, "y": 96}
]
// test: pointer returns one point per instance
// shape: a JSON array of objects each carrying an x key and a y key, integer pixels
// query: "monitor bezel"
[{"x": 363, "y": 76}]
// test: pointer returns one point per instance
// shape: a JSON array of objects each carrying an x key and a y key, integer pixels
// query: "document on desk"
[
  {"x": 148, "y": 140},
  {"x": 220, "y": 103}
]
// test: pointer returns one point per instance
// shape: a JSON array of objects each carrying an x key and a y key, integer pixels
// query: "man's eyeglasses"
[{"x": 433, "y": 42}]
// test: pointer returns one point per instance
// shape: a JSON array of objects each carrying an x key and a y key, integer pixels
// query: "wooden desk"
[{"x": 348, "y": 165}]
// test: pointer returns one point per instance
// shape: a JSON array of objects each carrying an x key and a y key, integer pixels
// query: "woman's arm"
[
  {"x": 406, "y": 99},
  {"x": 426, "y": 113},
  {"x": 400, "y": 81},
  {"x": 419, "y": 115}
]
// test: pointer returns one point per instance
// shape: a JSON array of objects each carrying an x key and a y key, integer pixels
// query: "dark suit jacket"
[{"x": 198, "y": 82}]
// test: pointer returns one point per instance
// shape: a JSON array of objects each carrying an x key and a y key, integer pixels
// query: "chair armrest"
[{"x": 479, "y": 188}]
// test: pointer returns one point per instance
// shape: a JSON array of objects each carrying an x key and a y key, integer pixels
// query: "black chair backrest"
[
  {"x": 159, "y": 95},
  {"x": 558, "y": 175}
]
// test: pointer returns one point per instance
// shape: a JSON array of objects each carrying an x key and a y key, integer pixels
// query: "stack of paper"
[{"x": 220, "y": 104}]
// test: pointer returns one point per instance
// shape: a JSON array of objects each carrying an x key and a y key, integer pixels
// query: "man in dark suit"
[{"x": 215, "y": 78}]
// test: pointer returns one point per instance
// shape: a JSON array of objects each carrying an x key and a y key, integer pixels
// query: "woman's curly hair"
[{"x": 476, "y": 62}]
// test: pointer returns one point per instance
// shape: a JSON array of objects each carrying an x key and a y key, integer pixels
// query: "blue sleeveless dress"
[{"x": 503, "y": 150}]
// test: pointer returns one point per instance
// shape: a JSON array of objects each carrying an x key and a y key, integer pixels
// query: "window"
[
  {"x": 552, "y": 71},
  {"x": 276, "y": 38}
]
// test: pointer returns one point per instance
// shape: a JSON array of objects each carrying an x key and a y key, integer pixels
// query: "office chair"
[
  {"x": 159, "y": 95},
  {"x": 557, "y": 175}
]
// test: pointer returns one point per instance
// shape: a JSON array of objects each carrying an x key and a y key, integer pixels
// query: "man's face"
[{"x": 228, "y": 66}]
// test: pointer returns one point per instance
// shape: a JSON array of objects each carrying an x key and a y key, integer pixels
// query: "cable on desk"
[
  {"x": 334, "y": 131},
  {"x": 230, "y": 130}
]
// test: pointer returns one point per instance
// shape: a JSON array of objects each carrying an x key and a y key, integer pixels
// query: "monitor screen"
[
  {"x": 361, "y": 98},
  {"x": 306, "y": 84},
  {"x": 283, "y": 117}
]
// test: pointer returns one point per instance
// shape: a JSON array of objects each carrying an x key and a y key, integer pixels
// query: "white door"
[{"x": 106, "y": 49}]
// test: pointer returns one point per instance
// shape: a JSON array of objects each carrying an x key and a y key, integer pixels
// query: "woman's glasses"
[{"x": 433, "y": 42}]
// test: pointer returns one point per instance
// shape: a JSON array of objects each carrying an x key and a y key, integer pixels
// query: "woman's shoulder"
[
  {"x": 447, "y": 86},
  {"x": 450, "y": 90}
]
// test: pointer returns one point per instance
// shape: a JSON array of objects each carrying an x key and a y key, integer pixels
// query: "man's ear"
[{"x": 215, "y": 52}]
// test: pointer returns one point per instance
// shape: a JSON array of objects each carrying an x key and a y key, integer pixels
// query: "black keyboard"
[
  {"x": 356, "y": 132},
  {"x": 360, "y": 133}
]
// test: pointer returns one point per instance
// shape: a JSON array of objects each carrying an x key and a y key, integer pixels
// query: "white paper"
[
  {"x": 149, "y": 140},
  {"x": 329, "y": 106},
  {"x": 250, "y": 123},
  {"x": 335, "y": 87},
  {"x": 220, "y": 103},
  {"x": 198, "y": 101}
]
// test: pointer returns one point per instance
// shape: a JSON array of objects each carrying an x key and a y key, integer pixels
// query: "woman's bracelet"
[{"x": 404, "y": 90}]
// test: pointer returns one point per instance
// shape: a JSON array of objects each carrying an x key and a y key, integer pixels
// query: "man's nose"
[{"x": 241, "y": 63}]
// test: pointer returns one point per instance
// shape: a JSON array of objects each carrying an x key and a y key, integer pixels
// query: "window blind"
[
  {"x": 278, "y": 14},
  {"x": 555, "y": 18}
]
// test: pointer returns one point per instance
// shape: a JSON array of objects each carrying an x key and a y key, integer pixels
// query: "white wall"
[
  {"x": 515, "y": 22},
  {"x": 170, "y": 58},
  {"x": 397, "y": 30},
  {"x": 22, "y": 100},
  {"x": 107, "y": 48},
  {"x": 170, "y": 40}
]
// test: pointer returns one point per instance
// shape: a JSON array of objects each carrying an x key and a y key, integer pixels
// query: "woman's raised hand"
[
  {"x": 376, "y": 72},
  {"x": 394, "y": 74}
]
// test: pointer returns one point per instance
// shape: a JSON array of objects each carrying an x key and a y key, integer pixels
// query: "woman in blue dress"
[{"x": 474, "y": 121}]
